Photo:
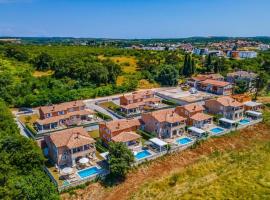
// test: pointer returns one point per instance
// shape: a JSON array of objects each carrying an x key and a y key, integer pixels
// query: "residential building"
[
  {"x": 242, "y": 97},
  {"x": 215, "y": 87},
  {"x": 131, "y": 139},
  {"x": 120, "y": 130},
  {"x": 193, "y": 81},
  {"x": 67, "y": 146},
  {"x": 249, "y": 105},
  {"x": 195, "y": 115},
  {"x": 202, "y": 51},
  {"x": 247, "y": 54},
  {"x": 242, "y": 54},
  {"x": 138, "y": 101},
  {"x": 240, "y": 75},
  {"x": 64, "y": 114},
  {"x": 264, "y": 47},
  {"x": 164, "y": 123},
  {"x": 226, "y": 106}
]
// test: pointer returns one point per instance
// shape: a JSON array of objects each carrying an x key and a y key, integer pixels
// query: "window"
[
  {"x": 61, "y": 112},
  {"x": 64, "y": 157},
  {"x": 48, "y": 115}
]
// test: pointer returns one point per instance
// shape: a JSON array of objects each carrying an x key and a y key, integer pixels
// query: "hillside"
[{"x": 217, "y": 168}]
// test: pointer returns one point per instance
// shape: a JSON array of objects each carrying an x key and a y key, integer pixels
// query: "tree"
[
  {"x": 241, "y": 86},
  {"x": 14, "y": 52},
  {"x": 120, "y": 159},
  {"x": 168, "y": 76},
  {"x": 172, "y": 59},
  {"x": 189, "y": 66},
  {"x": 21, "y": 162},
  {"x": 208, "y": 63},
  {"x": 43, "y": 62},
  {"x": 261, "y": 82}
]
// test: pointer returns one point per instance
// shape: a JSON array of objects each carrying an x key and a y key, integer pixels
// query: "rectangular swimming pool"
[
  {"x": 184, "y": 141},
  {"x": 217, "y": 130},
  {"x": 142, "y": 154},
  {"x": 244, "y": 121},
  {"x": 85, "y": 173}
]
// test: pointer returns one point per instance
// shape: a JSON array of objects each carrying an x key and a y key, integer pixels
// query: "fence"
[{"x": 77, "y": 182}]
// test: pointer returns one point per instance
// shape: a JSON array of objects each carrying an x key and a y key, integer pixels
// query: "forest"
[
  {"x": 34, "y": 75},
  {"x": 21, "y": 164}
]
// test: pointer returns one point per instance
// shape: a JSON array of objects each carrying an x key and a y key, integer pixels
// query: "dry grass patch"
[
  {"x": 128, "y": 63},
  {"x": 43, "y": 73},
  {"x": 145, "y": 84},
  {"x": 202, "y": 166},
  {"x": 94, "y": 133}
]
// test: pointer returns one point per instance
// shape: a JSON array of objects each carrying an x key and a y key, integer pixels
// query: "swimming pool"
[
  {"x": 142, "y": 154},
  {"x": 244, "y": 121},
  {"x": 217, "y": 130},
  {"x": 184, "y": 141},
  {"x": 89, "y": 172}
]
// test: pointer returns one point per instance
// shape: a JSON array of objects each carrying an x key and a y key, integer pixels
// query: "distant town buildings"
[{"x": 241, "y": 54}]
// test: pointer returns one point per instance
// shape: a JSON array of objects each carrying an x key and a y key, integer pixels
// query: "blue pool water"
[
  {"x": 244, "y": 121},
  {"x": 183, "y": 141},
  {"x": 217, "y": 130},
  {"x": 88, "y": 172},
  {"x": 142, "y": 154}
]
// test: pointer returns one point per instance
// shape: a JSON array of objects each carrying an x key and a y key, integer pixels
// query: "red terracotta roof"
[
  {"x": 228, "y": 101},
  {"x": 215, "y": 83},
  {"x": 61, "y": 106},
  {"x": 193, "y": 107},
  {"x": 66, "y": 116},
  {"x": 167, "y": 115},
  {"x": 200, "y": 117},
  {"x": 126, "y": 137},
  {"x": 138, "y": 95},
  {"x": 71, "y": 138},
  {"x": 122, "y": 124}
]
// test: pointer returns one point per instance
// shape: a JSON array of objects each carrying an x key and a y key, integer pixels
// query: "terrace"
[
  {"x": 184, "y": 97},
  {"x": 85, "y": 169}
]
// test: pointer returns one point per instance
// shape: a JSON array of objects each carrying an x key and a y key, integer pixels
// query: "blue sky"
[{"x": 134, "y": 18}]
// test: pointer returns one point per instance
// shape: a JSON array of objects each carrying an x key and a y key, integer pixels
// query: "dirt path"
[{"x": 171, "y": 163}]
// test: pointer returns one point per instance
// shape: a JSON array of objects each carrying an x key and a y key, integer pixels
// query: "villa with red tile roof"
[
  {"x": 194, "y": 80},
  {"x": 137, "y": 101},
  {"x": 227, "y": 106},
  {"x": 122, "y": 130},
  {"x": 215, "y": 87},
  {"x": 164, "y": 123},
  {"x": 66, "y": 147},
  {"x": 67, "y": 114},
  {"x": 195, "y": 115}
]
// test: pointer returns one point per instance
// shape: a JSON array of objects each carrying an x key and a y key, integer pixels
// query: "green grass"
[{"x": 231, "y": 175}]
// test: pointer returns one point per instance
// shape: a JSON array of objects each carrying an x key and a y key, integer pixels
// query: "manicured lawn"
[
  {"x": 94, "y": 133},
  {"x": 109, "y": 105},
  {"x": 28, "y": 118}
]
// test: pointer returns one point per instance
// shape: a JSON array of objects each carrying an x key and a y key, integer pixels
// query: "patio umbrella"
[
  {"x": 67, "y": 171},
  {"x": 83, "y": 160}
]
